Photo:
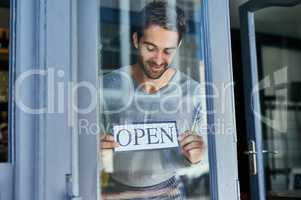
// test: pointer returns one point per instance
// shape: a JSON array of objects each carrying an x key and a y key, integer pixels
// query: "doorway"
[{"x": 278, "y": 70}]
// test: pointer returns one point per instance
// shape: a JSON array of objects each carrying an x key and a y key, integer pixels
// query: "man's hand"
[
  {"x": 192, "y": 146},
  {"x": 107, "y": 142}
]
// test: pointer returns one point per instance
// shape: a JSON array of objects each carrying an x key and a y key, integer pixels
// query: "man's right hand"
[{"x": 107, "y": 142}]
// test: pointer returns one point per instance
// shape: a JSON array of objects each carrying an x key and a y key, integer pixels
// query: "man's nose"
[{"x": 159, "y": 58}]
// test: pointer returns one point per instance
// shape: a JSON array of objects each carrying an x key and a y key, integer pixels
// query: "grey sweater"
[{"x": 124, "y": 102}]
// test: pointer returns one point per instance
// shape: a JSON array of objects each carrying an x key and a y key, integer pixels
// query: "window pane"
[
  {"x": 4, "y": 63},
  {"x": 153, "y": 100}
]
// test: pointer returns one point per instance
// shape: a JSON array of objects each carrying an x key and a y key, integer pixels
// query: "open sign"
[{"x": 146, "y": 136}]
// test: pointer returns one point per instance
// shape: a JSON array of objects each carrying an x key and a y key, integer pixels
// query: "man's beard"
[{"x": 148, "y": 73}]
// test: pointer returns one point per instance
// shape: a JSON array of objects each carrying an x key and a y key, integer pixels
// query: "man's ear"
[{"x": 135, "y": 40}]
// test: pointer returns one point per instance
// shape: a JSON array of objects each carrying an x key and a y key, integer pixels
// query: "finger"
[
  {"x": 191, "y": 138},
  {"x": 107, "y": 137},
  {"x": 193, "y": 145},
  {"x": 103, "y": 135},
  {"x": 195, "y": 155},
  {"x": 108, "y": 145}
]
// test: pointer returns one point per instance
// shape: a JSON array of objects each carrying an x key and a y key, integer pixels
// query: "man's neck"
[{"x": 151, "y": 85}]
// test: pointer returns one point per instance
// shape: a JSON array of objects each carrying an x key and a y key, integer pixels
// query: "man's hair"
[{"x": 162, "y": 14}]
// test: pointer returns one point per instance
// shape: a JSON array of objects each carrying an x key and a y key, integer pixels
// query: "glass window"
[
  {"x": 153, "y": 108},
  {"x": 4, "y": 74}
]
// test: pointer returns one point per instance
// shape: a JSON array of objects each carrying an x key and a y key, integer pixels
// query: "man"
[{"x": 153, "y": 91}]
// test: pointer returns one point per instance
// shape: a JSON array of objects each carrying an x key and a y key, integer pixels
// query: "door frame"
[
  {"x": 250, "y": 77},
  {"x": 41, "y": 35},
  {"x": 222, "y": 143}
]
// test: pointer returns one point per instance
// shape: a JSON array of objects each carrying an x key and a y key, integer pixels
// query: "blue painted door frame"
[
  {"x": 41, "y": 40},
  {"x": 252, "y": 99}
]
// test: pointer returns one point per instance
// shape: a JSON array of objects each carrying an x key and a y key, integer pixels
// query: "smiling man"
[{"x": 152, "y": 91}]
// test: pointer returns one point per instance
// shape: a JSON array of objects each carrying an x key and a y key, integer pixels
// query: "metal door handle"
[
  {"x": 263, "y": 151},
  {"x": 250, "y": 152},
  {"x": 252, "y": 157},
  {"x": 270, "y": 152}
]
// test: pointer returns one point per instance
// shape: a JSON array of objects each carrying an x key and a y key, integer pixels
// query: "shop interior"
[{"x": 4, "y": 65}]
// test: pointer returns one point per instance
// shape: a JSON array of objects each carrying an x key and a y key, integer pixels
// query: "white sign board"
[{"x": 146, "y": 136}]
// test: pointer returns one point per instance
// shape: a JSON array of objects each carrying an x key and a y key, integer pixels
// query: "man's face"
[{"x": 157, "y": 48}]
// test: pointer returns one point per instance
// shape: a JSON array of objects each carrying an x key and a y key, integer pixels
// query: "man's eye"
[
  {"x": 150, "y": 48},
  {"x": 168, "y": 52}
]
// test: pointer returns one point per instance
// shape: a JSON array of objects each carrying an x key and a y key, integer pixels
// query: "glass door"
[
  {"x": 271, "y": 38},
  {"x": 108, "y": 34}
]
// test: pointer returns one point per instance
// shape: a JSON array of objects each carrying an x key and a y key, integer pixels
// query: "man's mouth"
[{"x": 157, "y": 67}]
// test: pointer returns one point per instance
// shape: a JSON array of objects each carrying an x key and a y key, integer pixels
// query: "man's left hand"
[{"x": 192, "y": 146}]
